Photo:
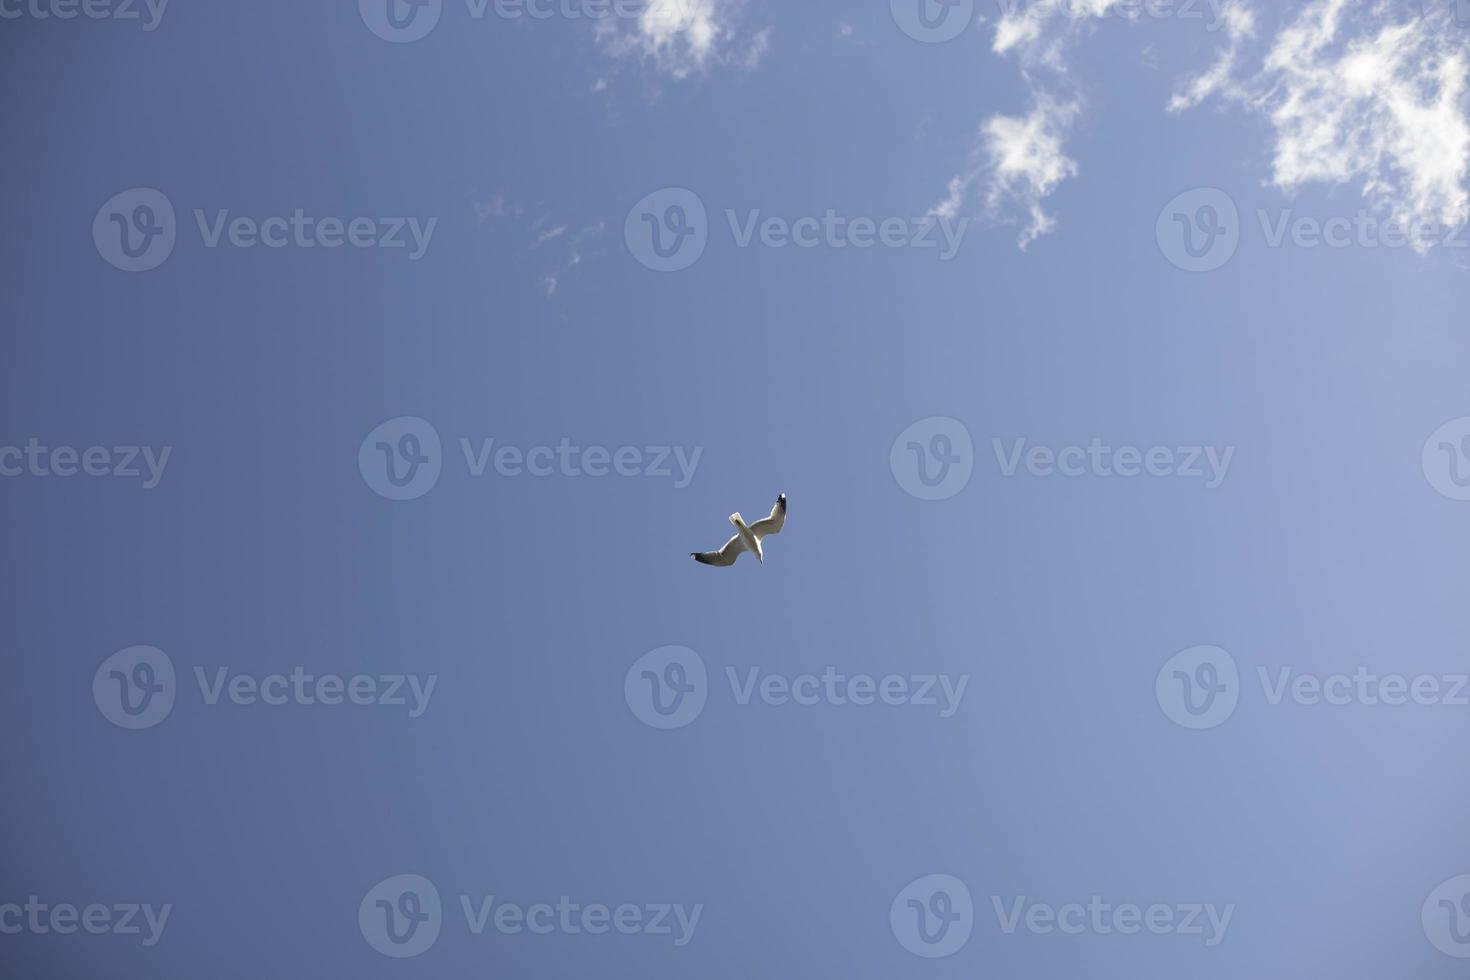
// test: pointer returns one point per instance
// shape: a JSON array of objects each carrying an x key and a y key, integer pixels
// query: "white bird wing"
[
  {"x": 725, "y": 556},
  {"x": 774, "y": 523}
]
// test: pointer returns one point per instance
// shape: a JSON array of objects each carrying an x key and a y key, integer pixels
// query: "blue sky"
[{"x": 371, "y": 372}]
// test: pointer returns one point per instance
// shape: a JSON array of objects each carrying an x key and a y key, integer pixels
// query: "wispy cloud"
[
  {"x": 494, "y": 209},
  {"x": 1360, "y": 96},
  {"x": 1017, "y": 162},
  {"x": 684, "y": 37},
  {"x": 548, "y": 235},
  {"x": 565, "y": 249},
  {"x": 1364, "y": 94},
  {"x": 572, "y": 261},
  {"x": 1239, "y": 25}
]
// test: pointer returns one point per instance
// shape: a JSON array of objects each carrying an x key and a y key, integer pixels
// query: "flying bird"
[{"x": 747, "y": 537}]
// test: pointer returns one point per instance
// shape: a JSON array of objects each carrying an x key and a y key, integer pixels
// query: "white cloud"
[
  {"x": 1239, "y": 25},
  {"x": 1020, "y": 161},
  {"x": 1017, "y": 162},
  {"x": 1357, "y": 97},
  {"x": 1359, "y": 93},
  {"x": 1014, "y": 29},
  {"x": 564, "y": 250},
  {"x": 1027, "y": 163},
  {"x": 759, "y": 45},
  {"x": 494, "y": 209},
  {"x": 571, "y": 262},
  {"x": 683, "y": 37},
  {"x": 549, "y": 235}
]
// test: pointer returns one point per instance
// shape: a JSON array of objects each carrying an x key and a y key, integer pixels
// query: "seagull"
[{"x": 747, "y": 537}]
